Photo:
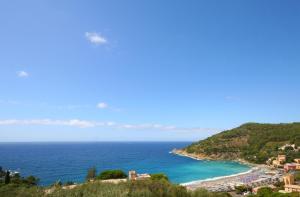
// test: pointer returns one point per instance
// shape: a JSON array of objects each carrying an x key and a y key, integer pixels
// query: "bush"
[
  {"x": 297, "y": 176},
  {"x": 204, "y": 193},
  {"x": 241, "y": 189},
  {"x": 93, "y": 189},
  {"x": 2, "y": 172},
  {"x": 31, "y": 180},
  {"x": 156, "y": 188},
  {"x": 7, "y": 177},
  {"x": 142, "y": 188},
  {"x": 91, "y": 174},
  {"x": 159, "y": 176},
  {"x": 264, "y": 191},
  {"x": 68, "y": 183},
  {"x": 14, "y": 190},
  {"x": 112, "y": 174}
]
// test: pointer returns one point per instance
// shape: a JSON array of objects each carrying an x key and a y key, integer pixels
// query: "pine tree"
[{"x": 7, "y": 177}]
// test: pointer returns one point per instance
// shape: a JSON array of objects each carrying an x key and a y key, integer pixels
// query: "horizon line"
[{"x": 116, "y": 141}]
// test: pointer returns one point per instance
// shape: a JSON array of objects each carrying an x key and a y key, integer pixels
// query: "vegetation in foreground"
[
  {"x": 157, "y": 186},
  {"x": 143, "y": 188},
  {"x": 252, "y": 142}
]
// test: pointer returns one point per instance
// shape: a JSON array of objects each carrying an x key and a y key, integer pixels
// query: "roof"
[{"x": 290, "y": 164}]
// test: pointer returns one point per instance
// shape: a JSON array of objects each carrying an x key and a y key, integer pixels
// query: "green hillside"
[{"x": 252, "y": 142}]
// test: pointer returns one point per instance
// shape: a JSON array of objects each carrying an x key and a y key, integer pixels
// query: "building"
[
  {"x": 297, "y": 161},
  {"x": 292, "y": 146},
  {"x": 132, "y": 175},
  {"x": 289, "y": 184},
  {"x": 281, "y": 159},
  {"x": 143, "y": 176},
  {"x": 292, "y": 188},
  {"x": 289, "y": 166},
  {"x": 276, "y": 163},
  {"x": 289, "y": 179}
]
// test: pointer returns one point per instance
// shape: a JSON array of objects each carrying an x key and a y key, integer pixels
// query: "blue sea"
[{"x": 70, "y": 161}]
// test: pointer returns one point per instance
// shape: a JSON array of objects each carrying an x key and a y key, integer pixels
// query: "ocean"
[{"x": 69, "y": 161}]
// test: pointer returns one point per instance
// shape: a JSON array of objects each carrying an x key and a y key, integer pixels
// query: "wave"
[{"x": 218, "y": 178}]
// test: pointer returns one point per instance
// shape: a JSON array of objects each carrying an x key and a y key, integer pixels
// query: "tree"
[
  {"x": 241, "y": 189},
  {"x": 31, "y": 180},
  {"x": 297, "y": 176},
  {"x": 264, "y": 191},
  {"x": 17, "y": 179},
  {"x": 112, "y": 174},
  {"x": 2, "y": 172},
  {"x": 159, "y": 176},
  {"x": 68, "y": 183},
  {"x": 7, "y": 177},
  {"x": 92, "y": 172}
]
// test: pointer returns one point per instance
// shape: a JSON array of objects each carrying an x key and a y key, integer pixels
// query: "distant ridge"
[{"x": 252, "y": 142}]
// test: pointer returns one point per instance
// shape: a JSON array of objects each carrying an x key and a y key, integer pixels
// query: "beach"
[{"x": 258, "y": 175}]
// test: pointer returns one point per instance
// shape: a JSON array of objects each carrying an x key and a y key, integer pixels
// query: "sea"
[{"x": 69, "y": 161}]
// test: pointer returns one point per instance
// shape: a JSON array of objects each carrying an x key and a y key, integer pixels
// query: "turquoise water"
[{"x": 70, "y": 161}]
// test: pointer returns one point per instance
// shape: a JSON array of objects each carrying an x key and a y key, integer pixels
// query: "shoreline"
[
  {"x": 228, "y": 182},
  {"x": 205, "y": 158},
  {"x": 217, "y": 178}
]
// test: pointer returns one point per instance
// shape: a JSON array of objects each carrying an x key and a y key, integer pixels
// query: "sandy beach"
[{"x": 258, "y": 175}]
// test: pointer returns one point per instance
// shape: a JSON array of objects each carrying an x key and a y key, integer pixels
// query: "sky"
[{"x": 141, "y": 70}]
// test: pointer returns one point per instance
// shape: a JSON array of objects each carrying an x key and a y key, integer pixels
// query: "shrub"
[
  {"x": 31, "y": 180},
  {"x": 7, "y": 177},
  {"x": 68, "y": 183},
  {"x": 204, "y": 193},
  {"x": 159, "y": 176},
  {"x": 264, "y": 191},
  {"x": 156, "y": 188},
  {"x": 91, "y": 174},
  {"x": 241, "y": 189},
  {"x": 297, "y": 176},
  {"x": 112, "y": 174}
]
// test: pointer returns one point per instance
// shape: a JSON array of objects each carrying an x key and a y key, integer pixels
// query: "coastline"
[
  {"x": 217, "y": 178},
  {"x": 202, "y": 157},
  {"x": 228, "y": 182}
]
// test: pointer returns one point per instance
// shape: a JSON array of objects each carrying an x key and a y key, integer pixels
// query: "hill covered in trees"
[{"x": 252, "y": 142}]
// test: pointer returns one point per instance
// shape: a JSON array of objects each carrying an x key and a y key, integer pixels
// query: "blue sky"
[{"x": 142, "y": 70}]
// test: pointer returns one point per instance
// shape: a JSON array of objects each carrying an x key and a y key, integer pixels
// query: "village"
[{"x": 277, "y": 174}]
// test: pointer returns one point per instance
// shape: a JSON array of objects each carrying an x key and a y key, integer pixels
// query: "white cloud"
[
  {"x": 80, "y": 123},
  {"x": 95, "y": 38},
  {"x": 102, "y": 105},
  {"x": 22, "y": 74},
  {"x": 87, "y": 124},
  {"x": 72, "y": 122}
]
